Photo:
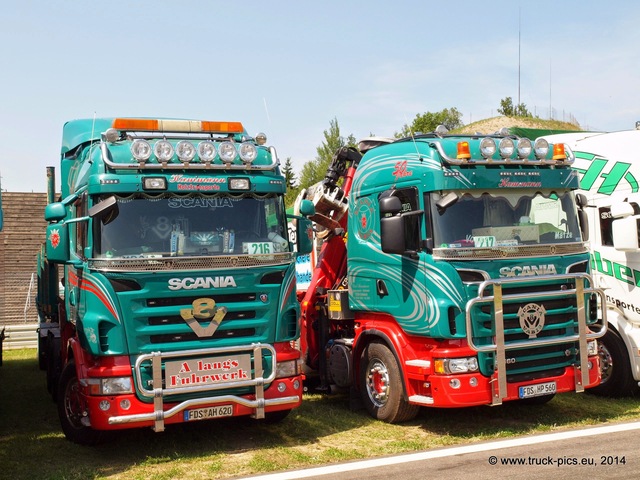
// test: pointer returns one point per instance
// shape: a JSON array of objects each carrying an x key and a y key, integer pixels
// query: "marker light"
[
  {"x": 168, "y": 125},
  {"x": 506, "y": 147},
  {"x": 206, "y": 151},
  {"x": 141, "y": 150},
  {"x": 558, "y": 151},
  {"x": 463, "y": 150},
  {"x": 248, "y": 152},
  {"x": 227, "y": 152},
  {"x": 112, "y": 135},
  {"x": 524, "y": 148},
  {"x": 541, "y": 148},
  {"x": 261, "y": 138},
  {"x": 163, "y": 151},
  {"x": 185, "y": 151},
  {"x": 487, "y": 147}
]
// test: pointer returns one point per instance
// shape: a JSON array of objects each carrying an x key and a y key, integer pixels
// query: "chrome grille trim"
[{"x": 521, "y": 251}]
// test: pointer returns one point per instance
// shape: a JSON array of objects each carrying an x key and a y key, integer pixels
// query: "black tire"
[
  {"x": 72, "y": 409},
  {"x": 617, "y": 380},
  {"x": 381, "y": 387}
]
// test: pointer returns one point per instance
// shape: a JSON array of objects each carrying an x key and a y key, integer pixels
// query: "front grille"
[{"x": 538, "y": 354}]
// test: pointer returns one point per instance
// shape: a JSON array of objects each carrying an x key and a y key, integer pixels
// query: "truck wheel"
[
  {"x": 381, "y": 386},
  {"x": 617, "y": 379},
  {"x": 72, "y": 409}
]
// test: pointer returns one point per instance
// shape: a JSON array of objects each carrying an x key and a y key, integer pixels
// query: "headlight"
[
  {"x": 455, "y": 365},
  {"x": 248, "y": 152},
  {"x": 524, "y": 148},
  {"x": 141, "y": 150},
  {"x": 110, "y": 386},
  {"x": 227, "y": 152},
  {"x": 163, "y": 151},
  {"x": 487, "y": 147},
  {"x": 287, "y": 369},
  {"x": 239, "y": 184},
  {"x": 541, "y": 147},
  {"x": 206, "y": 151},
  {"x": 185, "y": 151},
  {"x": 506, "y": 148}
]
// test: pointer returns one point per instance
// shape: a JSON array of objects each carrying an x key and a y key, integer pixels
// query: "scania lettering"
[
  {"x": 528, "y": 270},
  {"x": 609, "y": 168},
  {"x": 157, "y": 305},
  {"x": 200, "y": 282},
  {"x": 463, "y": 280}
]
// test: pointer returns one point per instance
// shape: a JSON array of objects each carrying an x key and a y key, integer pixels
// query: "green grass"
[{"x": 322, "y": 431}]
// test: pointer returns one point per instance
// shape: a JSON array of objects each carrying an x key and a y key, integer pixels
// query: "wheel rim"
[
  {"x": 73, "y": 404},
  {"x": 606, "y": 363},
  {"x": 378, "y": 383}
]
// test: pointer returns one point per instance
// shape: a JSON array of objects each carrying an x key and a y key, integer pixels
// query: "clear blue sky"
[{"x": 289, "y": 67}]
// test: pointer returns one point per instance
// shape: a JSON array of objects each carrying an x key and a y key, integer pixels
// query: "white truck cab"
[{"x": 609, "y": 167}]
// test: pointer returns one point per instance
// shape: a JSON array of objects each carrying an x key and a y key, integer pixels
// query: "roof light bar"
[{"x": 183, "y": 126}]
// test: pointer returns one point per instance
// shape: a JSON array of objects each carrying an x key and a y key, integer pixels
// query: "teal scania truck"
[
  {"x": 166, "y": 283},
  {"x": 454, "y": 272}
]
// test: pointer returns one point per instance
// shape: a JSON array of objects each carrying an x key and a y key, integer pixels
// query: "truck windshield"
[
  {"x": 499, "y": 219},
  {"x": 191, "y": 225}
]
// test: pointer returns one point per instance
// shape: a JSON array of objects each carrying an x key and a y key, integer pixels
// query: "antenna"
[
  {"x": 413, "y": 138},
  {"x": 264, "y": 100},
  {"x": 519, "y": 15}
]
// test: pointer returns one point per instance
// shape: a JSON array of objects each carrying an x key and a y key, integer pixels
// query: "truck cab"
[
  {"x": 466, "y": 278},
  {"x": 609, "y": 169},
  {"x": 178, "y": 299}
]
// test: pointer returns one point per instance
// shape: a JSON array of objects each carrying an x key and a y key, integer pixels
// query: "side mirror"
[
  {"x": 392, "y": 237},
  {"x": 55, "y": 212},
  {"x": 304, "y": 235},
  {"x": 390, "y": 206},
  {"x": 306, "y": 208},
  {"x": 626, "y": 233}
]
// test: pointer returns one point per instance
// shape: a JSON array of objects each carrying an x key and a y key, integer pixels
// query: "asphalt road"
[{"x": 609, "y": 451}]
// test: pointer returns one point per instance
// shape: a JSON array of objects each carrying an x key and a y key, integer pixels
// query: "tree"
[
  {"x": 429, "y": 121},
  {"x": 509, "y": 110},
  {"x": 289, "y": 174}
]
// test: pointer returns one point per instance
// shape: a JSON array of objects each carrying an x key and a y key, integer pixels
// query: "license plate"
[
  {"x": 208, "y": 412},
  {"x": 529, "y": 391}
]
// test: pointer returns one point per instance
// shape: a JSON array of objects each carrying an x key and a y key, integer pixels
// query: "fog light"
[
  {"x": 473, "y": 381},
  {"x": 281, "y": 387},
  {"x": 296, "y": 384},
  {"x": 105, "y": 405},
  {"x": 125, "y": 404},
  {"x": 455, "y": 383}
]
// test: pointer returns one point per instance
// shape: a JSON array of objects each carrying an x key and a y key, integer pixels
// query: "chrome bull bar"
[
  {"x": 500, "y": 346},
  {"x": 159, "y": 393}
]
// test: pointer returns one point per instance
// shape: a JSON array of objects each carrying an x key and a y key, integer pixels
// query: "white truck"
[{"x": 609, "y": 168}]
